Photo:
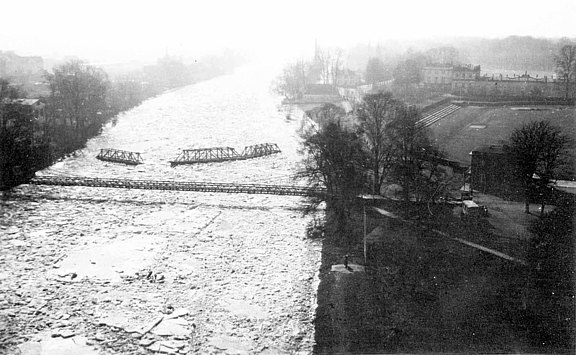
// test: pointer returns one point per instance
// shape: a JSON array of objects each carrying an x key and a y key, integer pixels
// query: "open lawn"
[{"x": 473, "y": 126}]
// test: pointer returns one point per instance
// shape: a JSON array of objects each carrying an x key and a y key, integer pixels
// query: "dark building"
[{"x": 490, "y": 169}]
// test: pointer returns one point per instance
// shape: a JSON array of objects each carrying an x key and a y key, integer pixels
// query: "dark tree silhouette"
[
  {"x": 78, "y": 94},
  {"x": 15, "y": 136},
  {"x": 334, "y": 158},
  {"x": 536, "y": 151},
  {"x": 551, "y": 259},
  {"x": 409, "y": 71},
  {"x": 414, "y": 161}
]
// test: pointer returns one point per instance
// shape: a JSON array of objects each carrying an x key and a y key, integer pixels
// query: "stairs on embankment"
[{"x": 437, "y": 115}]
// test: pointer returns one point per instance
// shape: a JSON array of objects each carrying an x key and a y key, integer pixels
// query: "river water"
[
  {"x": 233, "y": 111},
  {"x": 98, "y": 263}
]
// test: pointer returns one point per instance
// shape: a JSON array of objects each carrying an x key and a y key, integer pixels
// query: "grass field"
[{"x": 473, "y": 126}]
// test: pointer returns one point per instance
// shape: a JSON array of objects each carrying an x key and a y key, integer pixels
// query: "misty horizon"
[{"x": 107, "y": 32}]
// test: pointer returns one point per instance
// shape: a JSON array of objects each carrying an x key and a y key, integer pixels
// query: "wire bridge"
[{"x": 225, "y": 187}]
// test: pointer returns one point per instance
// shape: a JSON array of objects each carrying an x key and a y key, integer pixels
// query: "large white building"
[{"x": 450, "y": 77}]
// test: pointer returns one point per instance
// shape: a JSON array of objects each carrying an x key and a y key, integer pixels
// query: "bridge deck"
[{"x": 224, "y": 187}]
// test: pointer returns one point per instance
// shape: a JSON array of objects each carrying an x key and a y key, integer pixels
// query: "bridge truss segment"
[
  {"x": 223, "y": 187},
  {"x": 260, "y": 150},
  {"x": 119, "y": 156},
  {"x": 220, "y": 154},
  {"x": 206, "y": 155}
]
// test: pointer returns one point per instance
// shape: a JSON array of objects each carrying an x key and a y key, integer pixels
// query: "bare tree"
[
  {"x": 415, "y": 162},
  {"x": 565, "y": 62},
  {"x": 324, "y": 60},
  {"x": 293, "y": 80},
  {"x": 336, "y": 67},
  {"x": 375, "y": 113}
]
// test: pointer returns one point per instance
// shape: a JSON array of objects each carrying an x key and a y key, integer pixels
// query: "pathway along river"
[{"x": 99, "y": 267}]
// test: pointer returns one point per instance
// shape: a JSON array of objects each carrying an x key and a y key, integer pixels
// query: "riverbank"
[{"x": 423, "y": 293}]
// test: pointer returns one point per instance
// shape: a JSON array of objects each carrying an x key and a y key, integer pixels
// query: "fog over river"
[{"x": 97, "y": 267}]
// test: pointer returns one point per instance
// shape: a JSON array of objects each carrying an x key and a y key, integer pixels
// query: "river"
[{"x": 86, "y": 269}]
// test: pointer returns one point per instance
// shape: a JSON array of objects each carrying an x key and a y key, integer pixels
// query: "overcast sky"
[{"x": 121, "y": 30}]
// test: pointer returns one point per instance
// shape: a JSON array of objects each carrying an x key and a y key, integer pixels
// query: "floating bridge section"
[
  {"x": 224, "y": 187},
  {"x": 220, "y": 154},
  {"x": 437, "y": 115},
  {"x": 119, "y": 156},
  {"x": 260, "y": 150}
]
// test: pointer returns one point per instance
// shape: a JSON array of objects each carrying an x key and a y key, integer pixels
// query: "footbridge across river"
[{"x": 225, "y": 187}]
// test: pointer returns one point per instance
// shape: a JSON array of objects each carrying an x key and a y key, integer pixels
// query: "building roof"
[
  {"x": 321, "y": 89},
  {"x": 489, "y": 149}
]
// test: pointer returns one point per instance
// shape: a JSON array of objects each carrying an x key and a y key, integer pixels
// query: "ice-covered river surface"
[{"x": 87, "y": 270}]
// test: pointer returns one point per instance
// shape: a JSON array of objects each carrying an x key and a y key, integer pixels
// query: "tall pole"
[{"x": 364, "y": 210}]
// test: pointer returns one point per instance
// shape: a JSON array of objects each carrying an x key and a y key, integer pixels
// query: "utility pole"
[{"x": 364, "y": 212}]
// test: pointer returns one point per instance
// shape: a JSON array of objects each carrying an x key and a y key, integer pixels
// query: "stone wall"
[{"x": 514, "y": 88}]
